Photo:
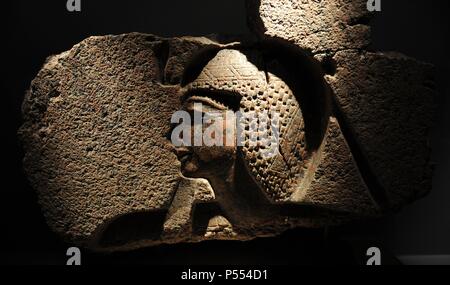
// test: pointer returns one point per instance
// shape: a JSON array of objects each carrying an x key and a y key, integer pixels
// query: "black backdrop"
[{"x": 33, "y": 30}]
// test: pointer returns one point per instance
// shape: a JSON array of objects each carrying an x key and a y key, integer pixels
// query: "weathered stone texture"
[
  {"x": 337, "y": 183},
  {"x": 317, "y": 26},
  {"x": 96, "y": 121},
  {"x": 387, "y": 100}
]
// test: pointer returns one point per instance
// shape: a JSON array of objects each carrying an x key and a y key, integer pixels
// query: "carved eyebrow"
[
  {"x": 208, "y": 101},
  {"x": 217, "y": 98}
]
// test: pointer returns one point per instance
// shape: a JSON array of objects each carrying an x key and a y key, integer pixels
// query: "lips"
[
  {"x": 188, "y": 159},
  {"x": 183, "y": 153}
]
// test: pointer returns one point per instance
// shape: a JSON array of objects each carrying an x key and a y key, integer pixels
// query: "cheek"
[
  {"x": 222, "y": 131},
  {"x": 229, "y": 133}
]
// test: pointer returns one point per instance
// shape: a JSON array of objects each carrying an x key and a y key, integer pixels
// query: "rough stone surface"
[
  {"x": 96, "y": 120},
  {"x": 317, "y": 26},
  {"x": 387, "y": 100},
  {"x": 338, "y": 170},
  {"x": 384, "y": 101}
]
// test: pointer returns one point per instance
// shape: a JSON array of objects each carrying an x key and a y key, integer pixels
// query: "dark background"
[{"x": 33, "y": 30}]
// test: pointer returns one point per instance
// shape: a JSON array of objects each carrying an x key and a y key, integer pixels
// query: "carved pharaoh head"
[{"x": 268, "y": 133}]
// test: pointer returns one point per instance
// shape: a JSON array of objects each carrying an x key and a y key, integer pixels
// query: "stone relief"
[{"x": 98, "y": 121}]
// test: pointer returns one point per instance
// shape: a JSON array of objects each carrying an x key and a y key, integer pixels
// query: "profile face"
[
  {"x": 266, "y": 134},
  {"x": 211, "y": 140}
]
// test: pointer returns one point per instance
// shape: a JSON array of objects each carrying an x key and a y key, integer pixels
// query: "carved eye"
[
  {"x": 208, "y": 101},
  {"x": 217, "y": 99}
]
